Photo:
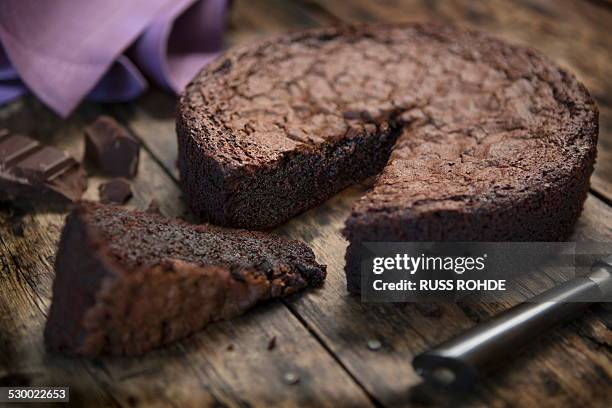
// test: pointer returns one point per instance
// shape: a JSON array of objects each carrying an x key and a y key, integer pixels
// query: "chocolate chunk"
[
  {"x": 115, "y": 191},
  {"x": 111, "y": 148},
  {"x": 30, "y": 170}
]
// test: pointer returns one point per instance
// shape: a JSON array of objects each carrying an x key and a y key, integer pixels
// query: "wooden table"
[{"x": 321, "y": 336}]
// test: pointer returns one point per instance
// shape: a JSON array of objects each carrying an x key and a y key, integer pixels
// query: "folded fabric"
[{"x": 66, "y": 50}]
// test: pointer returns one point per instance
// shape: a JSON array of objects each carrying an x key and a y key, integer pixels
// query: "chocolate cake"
[
  {"x": 128, "y": 281},
  {"x": 472, "y": 138}
]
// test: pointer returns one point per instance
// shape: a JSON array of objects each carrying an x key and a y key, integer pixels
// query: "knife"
[{"x": 460, "y": 362}]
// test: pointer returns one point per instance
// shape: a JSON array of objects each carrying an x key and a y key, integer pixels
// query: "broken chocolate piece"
[
  {"x": 111, "y": 148},
  {"x": 115, "y": 191},
  {"x": 130, "y": 281},
  {"x": 31, "y": 170}
]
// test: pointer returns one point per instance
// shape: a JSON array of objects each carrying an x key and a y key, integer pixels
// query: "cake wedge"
[{"x": 129, "y": 281}]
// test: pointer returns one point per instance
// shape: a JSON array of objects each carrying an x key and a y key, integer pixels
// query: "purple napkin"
[{"x": 66, "y": 50}]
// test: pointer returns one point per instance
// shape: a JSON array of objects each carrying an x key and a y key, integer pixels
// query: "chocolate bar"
[{"x": 31, "y": 170}]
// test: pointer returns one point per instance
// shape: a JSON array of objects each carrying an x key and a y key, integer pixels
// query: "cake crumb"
[{"x": 272, "y": 343}]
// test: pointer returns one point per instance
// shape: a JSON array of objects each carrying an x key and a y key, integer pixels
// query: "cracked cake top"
[{"x": 480, "y": 119}]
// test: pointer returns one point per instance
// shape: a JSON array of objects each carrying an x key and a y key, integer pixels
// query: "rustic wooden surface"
[{"x": 321, "y": 336}]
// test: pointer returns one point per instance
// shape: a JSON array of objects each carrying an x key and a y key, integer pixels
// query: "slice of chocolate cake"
[
  {"x": 128, "y": 281},
  {"x": 472, "y": 138}
]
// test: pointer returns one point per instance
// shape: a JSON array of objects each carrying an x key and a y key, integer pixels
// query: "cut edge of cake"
[{"x": 101, "y": 307}]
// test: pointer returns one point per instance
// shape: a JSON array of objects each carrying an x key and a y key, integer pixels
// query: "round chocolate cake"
[{"x": 472, "y": 138}]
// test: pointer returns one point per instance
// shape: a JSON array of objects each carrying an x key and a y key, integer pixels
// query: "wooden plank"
[
  {"x": 203, "y": 369},
  {"x": 346, "y": 325},
  {"x": 573, "y": 33},
  {"x": 251, "y": 19}
]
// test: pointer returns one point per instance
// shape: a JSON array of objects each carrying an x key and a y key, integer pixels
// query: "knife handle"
[{"x": 458, "y": 363}]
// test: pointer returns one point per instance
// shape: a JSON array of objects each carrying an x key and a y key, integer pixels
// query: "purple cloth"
[{"x": 66, "y": 50}]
